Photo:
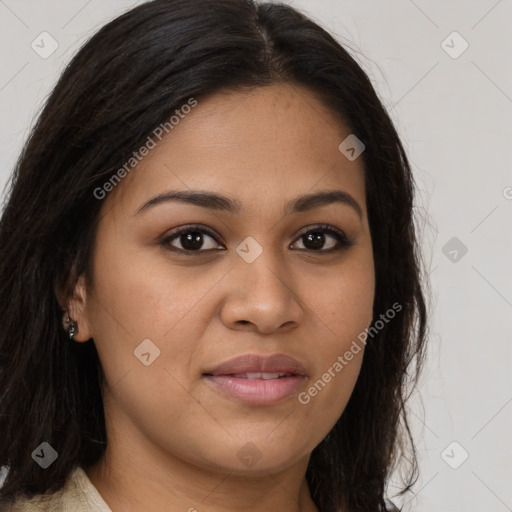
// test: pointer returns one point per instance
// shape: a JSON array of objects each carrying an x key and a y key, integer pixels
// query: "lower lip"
[{"x": 257, "y": 391}]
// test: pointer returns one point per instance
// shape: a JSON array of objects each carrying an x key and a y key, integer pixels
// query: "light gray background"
[{"x": 454, "y": 117}]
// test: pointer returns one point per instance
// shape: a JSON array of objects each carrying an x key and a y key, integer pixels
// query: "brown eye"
[
  {"x": 314, "y": 239},
  {"x": 191, "y": 239}
]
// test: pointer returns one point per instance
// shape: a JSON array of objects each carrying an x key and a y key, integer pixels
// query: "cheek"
[
  {"x": 344, "y": 298},
  {"x": 146, "y": 300},
  {"x": 146, "y": 294},
  {"x": 142, "y": 297},
  {"x": 344, "y": 309}
]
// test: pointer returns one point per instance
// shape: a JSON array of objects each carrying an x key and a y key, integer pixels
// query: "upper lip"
[{"x": 277, "y": 363}]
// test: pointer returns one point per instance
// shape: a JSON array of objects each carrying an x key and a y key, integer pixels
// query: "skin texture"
[{"x": 173, "y": 439}]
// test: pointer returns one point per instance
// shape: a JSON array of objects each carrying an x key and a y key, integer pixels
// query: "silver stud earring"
[{"x": 72, "y": 328}]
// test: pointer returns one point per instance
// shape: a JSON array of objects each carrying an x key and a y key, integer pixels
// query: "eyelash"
[{"x": 343, "y": 241}]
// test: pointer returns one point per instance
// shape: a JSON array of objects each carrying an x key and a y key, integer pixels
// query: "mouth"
[
  {"x": 260, "y": 375},
  {"x": 257, "y": 380}
]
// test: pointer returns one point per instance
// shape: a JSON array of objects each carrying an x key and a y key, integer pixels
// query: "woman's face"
[{"x": 168, "y": 314}]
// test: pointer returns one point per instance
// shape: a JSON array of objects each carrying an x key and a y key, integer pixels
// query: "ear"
[{"x": 76, "y": 309}]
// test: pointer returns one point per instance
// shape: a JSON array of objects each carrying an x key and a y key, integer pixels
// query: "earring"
[{"x": 72, "y": 328}]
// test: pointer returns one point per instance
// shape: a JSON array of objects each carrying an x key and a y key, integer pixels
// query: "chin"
[{"x": 258, "y": 456}]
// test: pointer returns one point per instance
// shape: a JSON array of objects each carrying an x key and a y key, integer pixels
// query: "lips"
[
  {"x": 251, "y": 365},
  {"x": 261, "y": 375},
  {"x": 257, "y": 380}
]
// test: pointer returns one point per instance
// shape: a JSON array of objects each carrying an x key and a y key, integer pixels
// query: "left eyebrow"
[
  {"x": 213, "y": 201},
  {"x": 318, "y": 199}
]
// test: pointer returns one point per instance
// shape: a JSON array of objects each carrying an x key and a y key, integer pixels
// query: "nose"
[{"x": 262, "y": 297}]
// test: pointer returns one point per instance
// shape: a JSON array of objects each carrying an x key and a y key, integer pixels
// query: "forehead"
[{"x": 262, "y": 144}]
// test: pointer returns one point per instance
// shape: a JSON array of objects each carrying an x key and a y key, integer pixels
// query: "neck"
[{"x": 130, "y": 483}]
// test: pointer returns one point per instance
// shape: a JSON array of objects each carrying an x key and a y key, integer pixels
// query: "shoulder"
[
  {"x": 40, "y": 503},
  {"x": 78, "y": 495}
]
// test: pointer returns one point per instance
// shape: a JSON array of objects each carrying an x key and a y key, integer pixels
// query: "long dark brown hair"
[{"x": 125, "y": 81}]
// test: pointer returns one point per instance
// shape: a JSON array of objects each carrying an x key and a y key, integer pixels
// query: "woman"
[{"x": 209, "y": 274}]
